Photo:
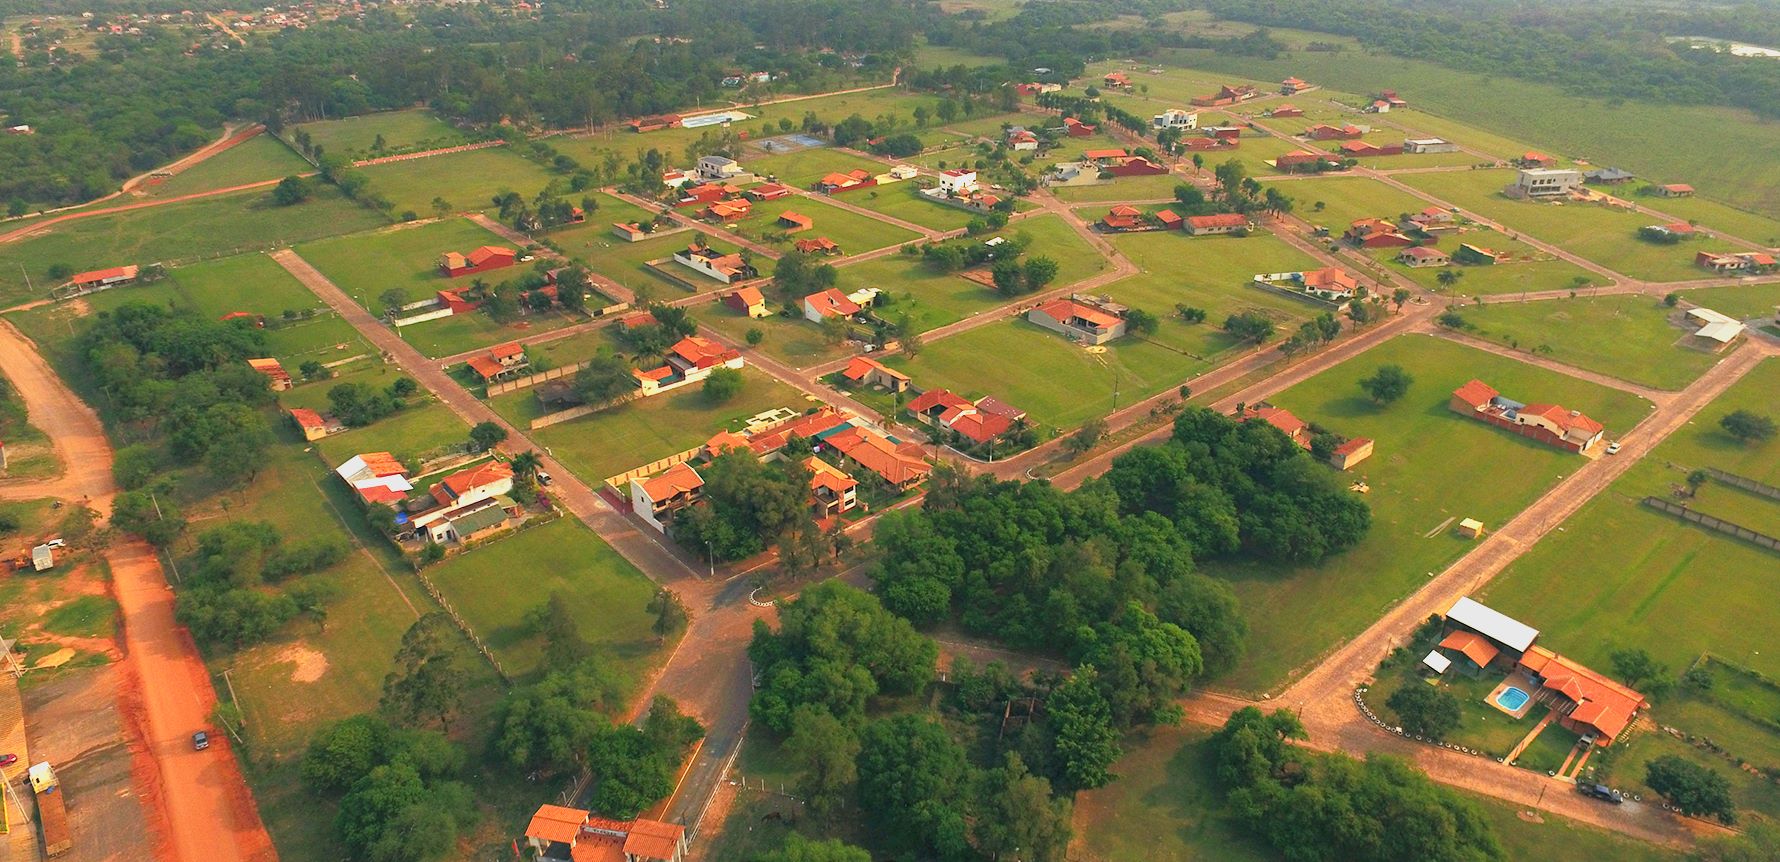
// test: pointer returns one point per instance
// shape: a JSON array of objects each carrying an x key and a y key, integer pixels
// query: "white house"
[
  {"x": 1719, "y": 329},
  {"x": 1429, "y": 145},
  {"x": 719, "y": 169},
  {"x": 726, "y": 268},
  {"x": 377, "y": 477},
  {"x": 1175, "y": 118},
  {"x": 957, "y": 182},
  {"x": 1545, "y": 182},
  {"x": 656, "y": 499},
  {"x": 903, "y": 172}
]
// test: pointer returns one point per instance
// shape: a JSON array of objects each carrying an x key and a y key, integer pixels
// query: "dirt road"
[{"x": 200, "y": 795}]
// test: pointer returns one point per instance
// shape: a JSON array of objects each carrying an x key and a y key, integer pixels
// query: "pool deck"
[{"x": 1518, "y": 680}]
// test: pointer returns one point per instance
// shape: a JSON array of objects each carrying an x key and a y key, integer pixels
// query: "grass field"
[
  {"x": 1742, "y": 301},
  {"x": 1738, "y": 163},
  {"x": 793, "y": 340},
  {"x": 1667, "y": 591},
  {"x": 1168, "y": 807},
  {"x": 1154, "y": 187},
  {"x": 623, "y": 262},
  {"x": 803, "y": 168},
  {"x": 1629, "y": 337},
  {"x": 607, "y": 593},
  {"x": 1525, "y": 268},
  {"x": 1607, "y": 237},
  {"x": 261, "y": 157},
  {"x": 1348, "y": 199},
  {"x": 1212, "y": 273},
  {"x": 416, "y": 430},
  {"x": 637, "y": 432},
  {"x": 181, "y": 232},
  {"x": 402, "y": 131},
  {"x": 1425, "y": 474},
  {"x": 903, "y": 201},
  {"x": 467, "y": 181},
  {"x": 855, "y": 233},
  {"x": 403, "y": 256}
]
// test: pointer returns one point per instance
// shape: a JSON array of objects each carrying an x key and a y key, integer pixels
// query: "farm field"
[
  {"x": 1739, "y": 163},
  {"x": 1607, "y": 237},
  {"x": 1423, "y": 478},
  {"x": 402, "y": 131},
  {"x": 402, "y": 256},
  {"x": 467, "y": 181},
  {"x": 629, "y": 435},
  {"x": 1212, "y": 273},
  {"x": 1629, "y": 337},
  {"x": 854, "y": 232},
  {"x": 902, "y": 201},
  {"x": 1667, "y": 592},
  {"x": 261, "y": 157},
  {"x": 564, "y": 557},
  {"x": 182, "y": 232},
  {"x": 1167, "y": 806}
]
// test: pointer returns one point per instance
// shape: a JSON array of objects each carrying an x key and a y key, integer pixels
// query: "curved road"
[{"x": 199, "y": 797}]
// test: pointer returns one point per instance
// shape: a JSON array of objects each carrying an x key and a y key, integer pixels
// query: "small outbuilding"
[{"x": 1471, "y": 528}]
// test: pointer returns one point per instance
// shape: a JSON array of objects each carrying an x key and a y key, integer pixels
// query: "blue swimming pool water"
[{"x": 1511, "y": 699}]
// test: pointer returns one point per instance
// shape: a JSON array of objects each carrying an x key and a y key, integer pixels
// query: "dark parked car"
[
  {"x": 200, "y": 740},
  {"x": 1602, "y": 792}
]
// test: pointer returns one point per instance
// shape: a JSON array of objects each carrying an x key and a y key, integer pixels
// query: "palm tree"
[
  {"x": 1449, "y": 277},
  {"x": 525, "y": 464}
]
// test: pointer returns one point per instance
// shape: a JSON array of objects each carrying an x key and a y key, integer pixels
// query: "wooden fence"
[
  {"x": 1749, "y": 485},
  {"x": 529, "y": 381},
  {"x": 1711, "y": 523}
]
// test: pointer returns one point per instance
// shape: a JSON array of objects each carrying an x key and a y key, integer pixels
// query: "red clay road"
[{"x": 200, "y": 795}]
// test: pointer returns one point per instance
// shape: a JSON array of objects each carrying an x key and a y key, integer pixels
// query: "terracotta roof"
[
  {"x": 702, "y": 352},
  {"x": 486, "y": 253},
  {"x": 990, "y": 404},
  {"x": 1330, "y": 278},
  {"x": 1564, "y": 418},
  {"x": 659, "y": 373},
  {"x": 796, "y": 219},
  {"x": 831, "y": 302},
  {"x": 1218, "y": 220},
  {"x": 981, "y": 427},
  {"x": 820, "y": 243},
  {"x": 724, "y": 441},
  {"x": 464, "y": 481},
  {"x": 1422, "y": 251},
  {"x": 269, "y": 367},
  {"x": 1096, "y": 155},
  {"x": 104, "y": 274},
  {"x": 382, "y": 464},
  {"x": 556, "y": 823},
  {"x": 1169, "y": 217},
  {"x": 1063, "y": 310},
  {"x": 677, "y": 479},
  {"x": 839, "y": 180},
  {"x": 486, "y": 367},
  {"x": 651, "y": 839},
  {"x": 503, "y": 351},
  {"x": 898, "y": 465},
  {"x": 1678, "y": 187},
  {"x": 307, "y": 418},
  {"x": 598, "y": 848},
  {"x": 1278, "y": 417},
  {"x": 1352, "y": 445},
  {"x": 1475, "y": 393},
  {"x": 1601, "y": 703},
  {"x": 860, "y": 366},
  {"x": 750, "y": 296},
  {"x": 826, "y": 475},
  {"x": 938, "y": 398},
  {"x": 1126, "y": 210},
  {"x": 1474, "y": 646}
]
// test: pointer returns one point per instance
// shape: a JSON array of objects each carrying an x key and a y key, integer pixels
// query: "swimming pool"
[{"x": 1512, "y": 699}]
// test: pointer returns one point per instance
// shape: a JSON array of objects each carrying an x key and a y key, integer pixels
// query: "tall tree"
[{"x": 427, "y": 681}]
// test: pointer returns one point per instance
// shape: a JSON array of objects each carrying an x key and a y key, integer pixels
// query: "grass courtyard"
[
  {"x": 1629, "y": 337},
  {"x": 1429, "y": 470},
  {"x": 175, "y": 233},
  {"x": 402, "y": 256},
  {"x": 617, "y": 439}
]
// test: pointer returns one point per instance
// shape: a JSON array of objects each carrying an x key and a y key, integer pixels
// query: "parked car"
[
  {"x": 1613, "y": 448},
  {"x": 200, "y": 741},
  {"x": 8, "y": 759},
  {"x": 543, "y": 478},
  {"x": 1601, "y": 792},
  {"x": 56, "y": 543}
]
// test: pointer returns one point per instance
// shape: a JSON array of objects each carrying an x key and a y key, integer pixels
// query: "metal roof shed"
[{"x": 1493, "y": 624}]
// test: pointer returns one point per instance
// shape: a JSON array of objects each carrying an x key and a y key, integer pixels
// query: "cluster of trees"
[
  {"x": 953, "y": 256},
  {"x": 1697, "y": 790},
  {"x": 400, "y": 799},
  {"x": 915, "y": 783},
  {"x": 1748, "y": 426},
  {"x": 230, "y": 598},
  {"x": 1599, "y": 55},
  {"x": 1014, "y": 277},
  {"x": 798, "y": 275},
  {"x": 1238, "y": 192},
  {"x": 751, "y": 505},
  {"x": 1315, "y": 332},
  {"x": 672, "y": 323},
  {"x": 360, "y": 404},
  {"x": 1332, "y": 807}
]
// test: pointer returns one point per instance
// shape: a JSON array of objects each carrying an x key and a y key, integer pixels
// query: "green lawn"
[
  {"x": 637, "y": 432},
  {"x": 1255, "y": 154},
  {"x": 607, "y": 593},
  {"x": 1524, "y": 269},
  {"x": 449, "y": 336},
  {"x": 903, "y": 201},
  {"x": 175, "y": 233},
  {"x": 417, "y": 430},
  {"x": 406, "y": 257},
  {"x": 261, "y": 157},
  {"x": 87, "y": 616},
  {"x": 402, "y": 131},
  {"x": 1714, "y": 216},
  {"x": 1625, "y": 336},
  {"x": 1348, "y": 199},
  {"x": 803, "y": 168},
  {"x": 1166, "y": 806},
  {"x": 794, "y": 340},
  {"x": 1425, "y": 473},
  {"x": 854, "y": 232},
  {"x": 1212, "y": 273},
  {"x": 467, "y": 181},
  {"x": 1750, "y": 793},
  {"x": 1620, "y": 574},
  {"x": 624, "y": 262},
  {"x": 610, "y": 210},
  {"x": 1742, "y": 301},
  {"x": 1607, "y": 237},
  {"x": 1154, "y": 187}
]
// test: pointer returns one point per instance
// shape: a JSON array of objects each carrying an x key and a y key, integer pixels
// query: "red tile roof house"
[
  {"x": 1350, "y": 452},
  {"x": 899, "y": 465},
  {"x": 690, "y": 360},
  {"x": 978, "y": 421},
  {"x": 853, "y": 180},
  {"x": 1547, "y": 423},
  {"x": 500, "y": 361},
  {"x": 1303, "y": 161},
  {"x": 865, "y": 371},
  {"x": 1293, "y": 86},
  {"x": 727, "y": 268},
  {"x": 1535, "y": 159},
  {"x": 377, "y": 477},
  {"x": 1281, "y": 112},
  {"x": 1088, "y": 324},
  {"x": 563, "y": 834},
  {"x": 1170, "y": 220},
  {"x": 1295, "y": 429},
  {"x": 726, "y": 211},
  {"x": 1329, "y": 283},
  {"x": 768, "y": 192},
  {"x": 656, "y": 499},
  {"x": 1116, "y": 79},
  {"x": 1326, "y": 132},
  {"x": 485, "y": 480},
  {"x": 1675, "y": 190},
  {"x": 828, "y": 303},
  {"x": 706, "y": 194},
  {"x": 1134, "y": 166},
  {"x": 1366, "y": 149},
  {"x": 314, "y": 425},
  {"x": 1077, "y": 129},
  {"x": 792, "y": 222},
  {"x": 483, "y": 259},
  {"x": 1218, "y": 223},
  {"x": 1226, "y": 95},
  {"x": 1201, "y": 145},
  {"x": 454, "y": 301},
  {"x": 654, "y": 124},
  {"x": 276, "y": 376},
  {"x": 747, "y": 300},
  {"x": 1224, "y": 133},
  {"x": 1123, "y": 217},
  {"x": 99, "y": 279},
  {"x": 1376, "y": 233},
  {"x": 831, "y": 491},
  {"x": 629, "y": 231},
  {"x": 820, "y": 245}
]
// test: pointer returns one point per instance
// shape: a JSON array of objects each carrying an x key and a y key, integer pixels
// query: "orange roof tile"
[
  {"x": 1475, "y": 393},
  {"x": 750, "y": 296},
  {"x": 1063, "y": 310},
  {"x": 898, "y": 465},
  {"x": 702, "y": 352},
  {"x": 510, "y": 349},
  {"x": 831, "y": 302},
  {"x": 464, "y": 481},
  {"x": 677, "y": 479},
  {"x": 1473, "y": 646},
  {"x": 307, "y": 418},
  {"x": 826, "y": 475},
  {"x": 1218, "y": 220},
  {"x": 556, "y": 823},
  {"x": 860, "y": 366},
  {"x": 486, "y": 367}
]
